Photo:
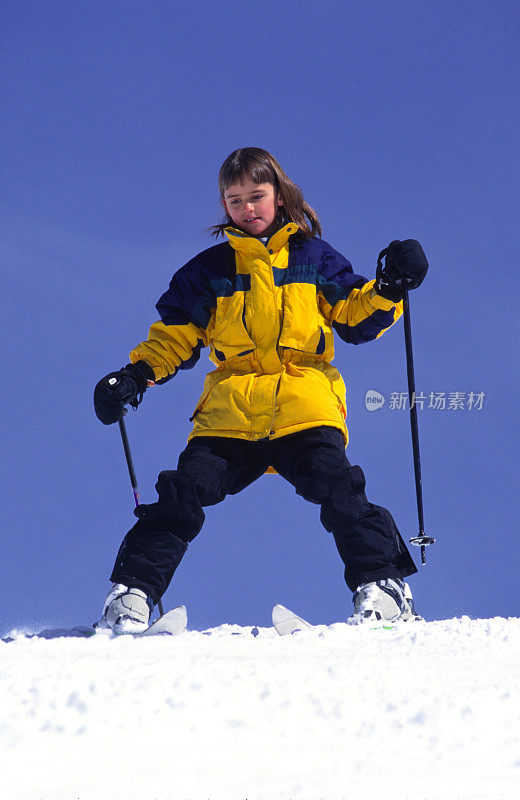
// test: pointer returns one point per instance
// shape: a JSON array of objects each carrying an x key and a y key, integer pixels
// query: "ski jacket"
[{"x": 268, "y": 314}]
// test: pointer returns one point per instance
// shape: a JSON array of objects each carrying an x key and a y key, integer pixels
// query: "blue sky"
[{"x": 398, "y": 120}]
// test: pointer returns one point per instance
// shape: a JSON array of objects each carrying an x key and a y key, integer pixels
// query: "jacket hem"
[{"x": 278, "y": 434}]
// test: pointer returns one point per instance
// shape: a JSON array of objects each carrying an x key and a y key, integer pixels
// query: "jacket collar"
[{"x": 241, "y": 241}]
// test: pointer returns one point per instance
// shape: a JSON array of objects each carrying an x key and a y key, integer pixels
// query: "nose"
[{"x": 249, "y": 205}]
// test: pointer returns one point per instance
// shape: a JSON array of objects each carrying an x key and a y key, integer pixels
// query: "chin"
[{"x": 257, "y": 232}]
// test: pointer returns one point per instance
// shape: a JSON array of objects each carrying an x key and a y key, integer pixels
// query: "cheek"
[
  {"x": 230, "y": 211},
  {"x": 269, "y": 208}
]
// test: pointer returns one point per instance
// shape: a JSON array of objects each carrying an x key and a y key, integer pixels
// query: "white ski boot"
[
  {"x": 125, "y": 610},
  {"x": 389, "y": 600}
]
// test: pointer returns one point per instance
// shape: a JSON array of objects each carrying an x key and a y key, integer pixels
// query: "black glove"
[
  {"x": 118, "y": 388},
  {"x": 405, "y": 267}
]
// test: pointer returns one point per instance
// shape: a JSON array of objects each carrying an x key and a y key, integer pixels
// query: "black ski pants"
[{"x": 211, "y": 467}]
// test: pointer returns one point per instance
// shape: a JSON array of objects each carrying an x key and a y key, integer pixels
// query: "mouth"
[{"x": 252, "y": 219}]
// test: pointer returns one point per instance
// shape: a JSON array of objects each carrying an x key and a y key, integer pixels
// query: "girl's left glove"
[
  {"x": 117, "y": 389},
  {"x": 405, "y": 267}
]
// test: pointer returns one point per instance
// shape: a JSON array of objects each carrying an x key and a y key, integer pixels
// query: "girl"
[{"x": 266, "y": 302}]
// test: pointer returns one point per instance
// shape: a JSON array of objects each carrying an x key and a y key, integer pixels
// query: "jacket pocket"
[
  {"x": 302, "y": 329},
  {"x": 212, "y": 378},
  {"x": 230, "y": 336}
]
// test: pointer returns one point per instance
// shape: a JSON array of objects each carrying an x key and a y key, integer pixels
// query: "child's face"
[{"x": 253, "y": 207}]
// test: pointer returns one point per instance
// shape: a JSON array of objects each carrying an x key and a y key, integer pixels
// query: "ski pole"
[
  {"x": 421, "y": 540},
  {"x": 129, "y": 462},
  {"x": 133, "y": 479}
]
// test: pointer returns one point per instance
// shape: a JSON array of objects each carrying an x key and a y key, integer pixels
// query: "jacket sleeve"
[
  {"x": 186, "y": 313},
  {"x": 350, "y": 303}
]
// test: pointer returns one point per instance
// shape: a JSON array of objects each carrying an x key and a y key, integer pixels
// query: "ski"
[
  {"x": 172, "y": 623},
  {"x": 286, "y": 622}
]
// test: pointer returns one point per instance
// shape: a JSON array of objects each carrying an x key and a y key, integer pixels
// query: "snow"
[{"x": 423, "y": 711}]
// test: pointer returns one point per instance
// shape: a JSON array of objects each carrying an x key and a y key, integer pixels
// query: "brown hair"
[{"x": 262, "y": 167}]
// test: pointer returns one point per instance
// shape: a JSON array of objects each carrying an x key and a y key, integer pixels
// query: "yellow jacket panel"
[{"x": 268, "y": 314}]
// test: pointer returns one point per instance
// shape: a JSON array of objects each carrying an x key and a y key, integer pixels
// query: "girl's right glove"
[
  {"x": 118, "y": 388},
  {"x": 405, "y": 267}
]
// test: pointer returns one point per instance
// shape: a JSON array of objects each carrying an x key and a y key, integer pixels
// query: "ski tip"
[
  {"x": 287, "y": 622},
  {"x": 280, "y": 613},
  {"x": 172, "y": 622},
  {"x": 179, "y": 612}
]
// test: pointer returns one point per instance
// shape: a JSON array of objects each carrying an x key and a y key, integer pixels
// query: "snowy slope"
[{"x": 424, "y": 711}]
